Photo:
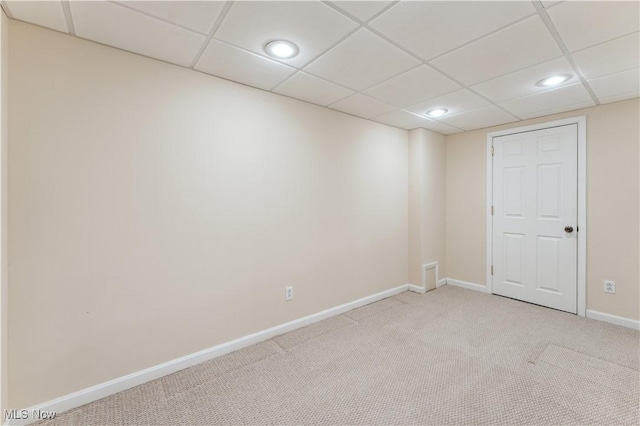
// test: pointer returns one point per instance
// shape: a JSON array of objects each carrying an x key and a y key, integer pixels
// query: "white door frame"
[{"x": 581, "y": 121}]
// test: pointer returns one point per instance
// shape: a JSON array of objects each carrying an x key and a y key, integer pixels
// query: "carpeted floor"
[{"x": 451, "y": 356}]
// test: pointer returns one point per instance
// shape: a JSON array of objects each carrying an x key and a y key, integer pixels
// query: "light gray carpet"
[{"x": 450, "y": 356}]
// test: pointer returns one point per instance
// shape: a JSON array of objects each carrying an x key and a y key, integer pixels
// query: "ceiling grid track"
[
  {"x": 365, "y": 25},
  {"x": 361, "y": 25},
  {"x": 142, "y": 12},
  {"x": 315, "y": 58},
  {"x": 565, "y": 51},
  {"x": 4, "y": 6},
  {"x": 502, "y": 91},
  {"x": 212, "y": 31},
  {"x": 68, "y": 18},
  {"x": 429, "y": 64}
]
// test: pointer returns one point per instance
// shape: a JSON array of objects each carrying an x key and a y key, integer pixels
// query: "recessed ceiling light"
[
  {"x": 281, "y": 49},
  {"x": 554, "y": 80},
  {"x": 438, "y": 112}
]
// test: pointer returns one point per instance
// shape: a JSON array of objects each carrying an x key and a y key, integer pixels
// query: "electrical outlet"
[
  {"x": 288, "y": 293},
  {"x": 609, "y": 286}
]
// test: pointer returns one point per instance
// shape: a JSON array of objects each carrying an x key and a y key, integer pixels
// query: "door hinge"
[
  {"x": 491, "y": 210},
  {"x": 492, "y": 150},
  {"x": 491, "y": 269}
]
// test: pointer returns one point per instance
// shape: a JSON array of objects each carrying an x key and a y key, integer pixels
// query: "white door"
[{"x": 535, "y": 216}]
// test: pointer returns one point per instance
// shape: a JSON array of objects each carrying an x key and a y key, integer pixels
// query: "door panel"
[
  {"x": 548, "y": 263},
  {"x": 514, "y": 259},
  {"x": 535, "y": 188},
  {"x": 514, "y": 191},
  {"x": 549, "y": 191}
]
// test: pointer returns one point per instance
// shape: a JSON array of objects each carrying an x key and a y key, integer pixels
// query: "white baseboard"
[
  {"x": 120, "y": 384},
  {"x": 111, "y": 387},
  {"x": 416, "y": 289},
  {"x": 422, "y": 290},
  {"x": 614, "y": 319},
  {"x": 467, "y": 285},
  {"x": 599, "y": 316}
]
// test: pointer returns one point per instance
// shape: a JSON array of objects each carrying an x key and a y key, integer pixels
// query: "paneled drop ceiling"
[{"x": 389, "y": 62}]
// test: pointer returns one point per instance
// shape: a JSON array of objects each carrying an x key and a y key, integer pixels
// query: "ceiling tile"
[
  {"x": 363, "y": 9},
  {"x": 361, "y": 61},
  {"x": 616, "y": 87},
  {"x": 621, "y": 97},
  {"x": 196, "y": 15},
  {"x": 47, "y": 14},
  {"x": 439, "y": 127},
  {"x": 313, "y": 26},
  {"x": 456, "y": 102},
  {"x": 406, "y": 120},
  {"x": 519, "y": 46},
  {"x": 362, "y": 106},
  {"x": 401, "y": 119},
  {"x": 431, "y": 28},
  {"x": 312, "y": 89},
  {"x": 549, "y": 102},
  {"x": 610, "y": 57},
  {"x": 413, "y": 86},
  {"x": 479, "y": 118},
  {"x": 585, "y": 23},
  {"x": 523, "y": 83},
  {"x": 244, "y": 67},
  {"x": 118, "y": 26}
]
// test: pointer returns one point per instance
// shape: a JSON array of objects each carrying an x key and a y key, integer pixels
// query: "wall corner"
[{"x": 4, "y": 382}]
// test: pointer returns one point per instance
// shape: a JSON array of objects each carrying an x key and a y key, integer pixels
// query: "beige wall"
[
  {"x": 426, "y": 203},
  {"x": 613, "y": 180},
  {"x": 156, "y": 211},
  {"x": 4, "y": 289}
]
